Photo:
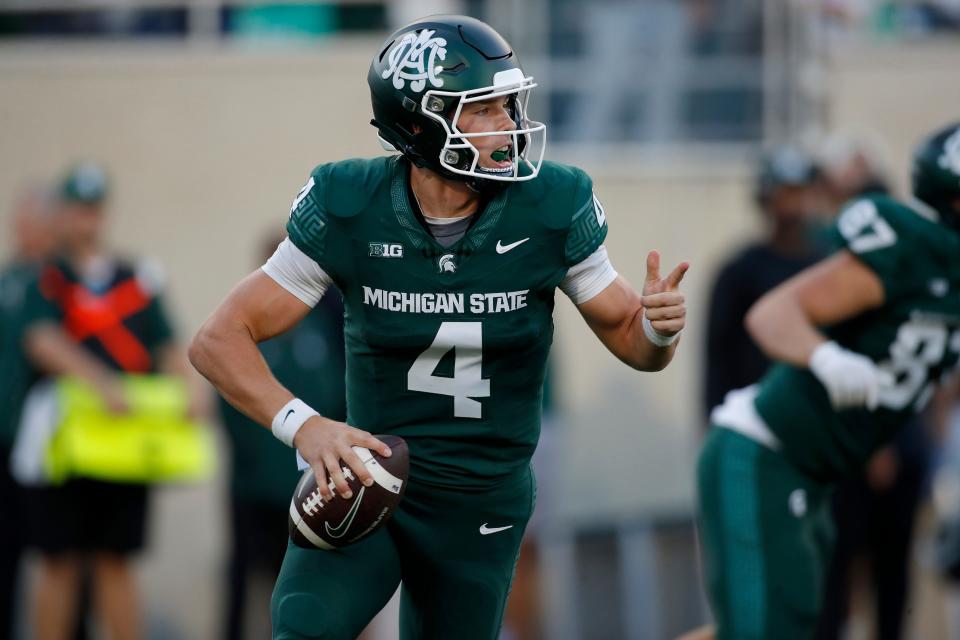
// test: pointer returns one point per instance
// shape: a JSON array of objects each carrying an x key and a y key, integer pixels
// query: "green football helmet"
[
  {"x": 422, "y": 77},
  {"x": 936, "y": 173}
]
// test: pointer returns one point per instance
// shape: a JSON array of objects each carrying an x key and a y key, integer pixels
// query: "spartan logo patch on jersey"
[
  {"x": 951, "y": 153},
  {"x": 939, "y": 287},
  {"x": 386, "y": 250},
  {"x": 414, "y": 58},
  {"x": 798, "y": 503},
  {"x": 447, "y": 263}
]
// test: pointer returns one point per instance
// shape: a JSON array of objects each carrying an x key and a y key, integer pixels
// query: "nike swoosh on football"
[
  {"x": 341, "y": 529},
  {"x": 485, "y": 530},
  {"x": 503, "y": 248}
]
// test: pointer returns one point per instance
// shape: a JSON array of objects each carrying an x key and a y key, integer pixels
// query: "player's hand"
[
  {"x": 110, "y": 389},
  {"x": 851, "y": 379},
  {"x": 327, "y": 446},
  {"x": 662, "y": 301}
]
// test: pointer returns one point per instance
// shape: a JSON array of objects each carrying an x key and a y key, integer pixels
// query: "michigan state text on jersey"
[
  {"x": 862, "y": 338},
  {"x": 448, "y": 256}
]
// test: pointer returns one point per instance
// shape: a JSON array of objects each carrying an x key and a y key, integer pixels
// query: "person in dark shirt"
[
  {"x": 786, "y": 197},
  {"x": 309, "y": 360}
]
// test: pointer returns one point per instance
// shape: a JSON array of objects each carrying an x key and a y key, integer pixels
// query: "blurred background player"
[
  {"x": 32, "y": 236},
  {"x": 873, "y": 511},
  {"x": 309, "y": 360},
  {"x": 112, "y": 310},
  {"x": 862, "y": 338},
  {"x": 786, "y": 196}
]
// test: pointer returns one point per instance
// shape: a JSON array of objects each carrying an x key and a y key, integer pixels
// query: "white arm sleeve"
[
  {"x": 298, "y": 273},
  {"x": 589, "y": 277}
]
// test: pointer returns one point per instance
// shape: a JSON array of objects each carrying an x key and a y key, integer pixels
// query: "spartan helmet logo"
[
  {"x": 414, "y": 58},
  {"x": 446, "y": 263},
  {"x": 950, "y": 159}
]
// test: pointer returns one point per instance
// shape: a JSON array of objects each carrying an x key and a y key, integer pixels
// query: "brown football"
[{"x": 315, "y": 523}]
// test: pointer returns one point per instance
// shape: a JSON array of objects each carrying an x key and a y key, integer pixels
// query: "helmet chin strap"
[{"x": 487, "y": 188}]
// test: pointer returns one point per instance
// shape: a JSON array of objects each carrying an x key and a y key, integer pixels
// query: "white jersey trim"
[
  {"x": 298, "y": 273},
  {"x": 589, "y": 277}
]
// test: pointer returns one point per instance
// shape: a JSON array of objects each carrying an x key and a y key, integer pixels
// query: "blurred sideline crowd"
[
  {"x": 71, "y": 308},
  {"x": 93, "y": 324},
  {"x": 308, "y": 20}
]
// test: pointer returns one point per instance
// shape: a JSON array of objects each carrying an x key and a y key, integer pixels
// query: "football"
[{"x": 315, "y": 523}]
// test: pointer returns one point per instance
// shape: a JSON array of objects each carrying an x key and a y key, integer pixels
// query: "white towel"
[{"x": 38, "y": 424}]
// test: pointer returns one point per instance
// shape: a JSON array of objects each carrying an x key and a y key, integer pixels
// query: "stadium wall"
[{"x": 208, "y": 146}]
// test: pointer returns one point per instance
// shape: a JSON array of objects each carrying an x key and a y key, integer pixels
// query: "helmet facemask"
[{"x": 460, "y": 156}]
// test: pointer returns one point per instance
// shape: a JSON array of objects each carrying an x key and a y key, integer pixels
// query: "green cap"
[{"x": 85, "y": 183}]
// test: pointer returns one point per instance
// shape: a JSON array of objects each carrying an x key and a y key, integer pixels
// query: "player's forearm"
[
  {"x": 779, "y": 326},
  {"x": 52, "y": 351},
  {"x": 227, "y": 356}
]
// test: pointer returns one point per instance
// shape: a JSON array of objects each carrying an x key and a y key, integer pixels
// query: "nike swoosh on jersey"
[
  {"x": 503, "y": 248},
  {"x": 485, "y": 530},
  {"x": 341, "y": 529}
]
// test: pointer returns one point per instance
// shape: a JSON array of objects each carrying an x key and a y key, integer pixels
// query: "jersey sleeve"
[
  {"x": 39, "y": 300},
  {"x": 877, "y": 236},
  {"x": 588, "y": 227},
  {"x": 296, "y": 272},
  {"x": 307, "y": 227},
  {"x": 589, "y": 277}
]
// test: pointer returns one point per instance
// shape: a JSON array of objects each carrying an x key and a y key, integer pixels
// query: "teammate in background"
[
  {"x": 873, "y": 511},
  {"x": 309, "y": 361},
  {"x": 785, "y": 195},
  {"x": 93, "y": 316},
  {"x": 862, "y": 339},
  {"x": 33, "y": 240},
  {"x": 448, "y": 257}
]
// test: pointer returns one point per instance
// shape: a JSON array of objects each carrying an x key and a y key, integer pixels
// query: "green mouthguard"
[{"x": 500, "y": 156}]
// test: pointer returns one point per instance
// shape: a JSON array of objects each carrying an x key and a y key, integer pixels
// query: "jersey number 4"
[{"x": 467, "y": 383}]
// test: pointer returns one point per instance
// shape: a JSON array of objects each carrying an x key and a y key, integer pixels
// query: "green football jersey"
[
  {"x": 447, "y": 347},
  {"x": 915, "y": 336}
]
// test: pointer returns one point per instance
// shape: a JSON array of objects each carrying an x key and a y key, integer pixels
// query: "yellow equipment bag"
[{"x": 154, "y": 442}]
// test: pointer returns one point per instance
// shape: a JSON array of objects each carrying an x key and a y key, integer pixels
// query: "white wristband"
[
  {"x": 655, "y": 336},
  {"x": 289, "y": 420}
]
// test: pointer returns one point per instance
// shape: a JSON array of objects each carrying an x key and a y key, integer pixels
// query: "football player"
[
  {"x": 862, "y": 338},
  {"x": 448, "y": 256}
]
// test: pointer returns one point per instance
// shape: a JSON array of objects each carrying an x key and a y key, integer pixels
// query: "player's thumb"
[{"x": 653, "y": 267}]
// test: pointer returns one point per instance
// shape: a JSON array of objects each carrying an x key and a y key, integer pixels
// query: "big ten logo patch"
[{"x": 386, "y": 250}]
